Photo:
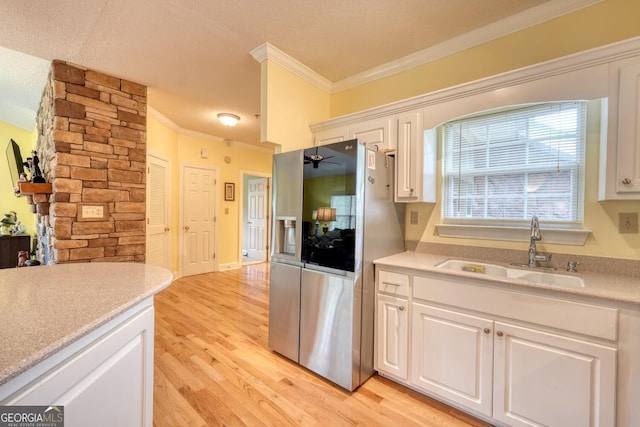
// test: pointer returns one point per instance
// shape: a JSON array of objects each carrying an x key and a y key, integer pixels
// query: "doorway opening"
[{"x": 254, "y": 227}]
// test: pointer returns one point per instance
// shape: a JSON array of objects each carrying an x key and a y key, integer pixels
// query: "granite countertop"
[
  {"x": 45, "y": 308},
  {"x": 607, "y": 286}
]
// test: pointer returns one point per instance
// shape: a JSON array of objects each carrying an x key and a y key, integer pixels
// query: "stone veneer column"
[{"x": 92, "y": 148}]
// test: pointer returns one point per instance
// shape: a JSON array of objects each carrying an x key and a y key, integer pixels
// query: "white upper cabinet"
[
  {"x": 330, "y": 136},
  {"x": 620, "y": 156},
  {"x": 378, "y": 134},
  {"x": 415, "y": 160},
  {"x": 398, "y": 135}
]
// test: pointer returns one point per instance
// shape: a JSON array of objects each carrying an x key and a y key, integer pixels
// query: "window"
[
  {"x": 345, "y": 211},
  {"x": 504, "y": 167}
]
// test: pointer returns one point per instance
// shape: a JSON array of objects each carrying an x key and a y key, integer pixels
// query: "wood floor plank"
[{"x": 213, "y": 367}]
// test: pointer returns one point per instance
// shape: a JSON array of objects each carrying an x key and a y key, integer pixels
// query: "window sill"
[{"x": 513, "y": 234}]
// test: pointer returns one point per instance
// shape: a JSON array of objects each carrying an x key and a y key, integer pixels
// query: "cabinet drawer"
[
  {"x": 393, "y": 283},
  {"x": 592, "y": 320}
]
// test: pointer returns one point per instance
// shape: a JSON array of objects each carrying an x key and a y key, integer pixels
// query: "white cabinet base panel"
[{"x": 104, "y": 379}]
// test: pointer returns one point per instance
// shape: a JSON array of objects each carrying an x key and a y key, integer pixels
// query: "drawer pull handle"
[
  {"x": 499, "y": 333},
  {"x": 487, "y": 330},
  {"x": 390, "y": 284}
]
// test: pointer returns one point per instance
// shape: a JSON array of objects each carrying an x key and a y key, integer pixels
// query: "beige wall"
[
  {"x": 8, "y": 201},
  {"x": 183, "y": 148},
  {"x": 291, "y": 105},
  {"x": 604, "y": 23}
]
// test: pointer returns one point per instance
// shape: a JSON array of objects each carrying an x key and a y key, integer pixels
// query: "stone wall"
[{"x": 92, "y": 148}]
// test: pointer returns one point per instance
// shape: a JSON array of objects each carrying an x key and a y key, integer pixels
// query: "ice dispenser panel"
[{"x": 285, "y": 236}]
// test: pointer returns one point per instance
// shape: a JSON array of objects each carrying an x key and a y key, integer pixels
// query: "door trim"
[
  {"x": 169, "y": 213},
  {"x": 181, "y": 217},
  {"x": 244, "y": 173}
]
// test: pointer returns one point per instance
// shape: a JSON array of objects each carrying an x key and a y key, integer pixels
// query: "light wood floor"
[{"x": 213, "y": 367}]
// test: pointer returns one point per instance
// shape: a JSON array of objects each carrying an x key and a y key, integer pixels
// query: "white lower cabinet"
[
  {"x": 452, "y": 355},
  {"x": 543, "y": 379},
  {"x": 103, "y": 379},
  {"x": 483, "y": 358},
  {"x": 393, "y": 331}
]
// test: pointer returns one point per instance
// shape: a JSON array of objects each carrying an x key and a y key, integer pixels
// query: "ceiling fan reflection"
[{"x": 316, "y": 158}]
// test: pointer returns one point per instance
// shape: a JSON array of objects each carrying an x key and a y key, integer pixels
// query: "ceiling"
[{"x": 194, "y": 55}]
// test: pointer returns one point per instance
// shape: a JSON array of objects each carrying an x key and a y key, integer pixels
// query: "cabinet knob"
[
  {"x": 411, "y": 190},
  {"x": 166, "y": 229},
  {"x": 401, "y": 308},
  {"x": 487, "y": 330},
  {"x": 187, "y": 228},
  {"x": 626, "y": 181},
  {"x": 499, "y": 333}
]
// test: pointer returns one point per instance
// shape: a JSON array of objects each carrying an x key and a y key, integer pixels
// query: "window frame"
[{"x": 575, "y": 171}]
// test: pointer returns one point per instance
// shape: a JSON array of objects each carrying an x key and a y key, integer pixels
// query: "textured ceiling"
[{"x": 194, "y": 54}]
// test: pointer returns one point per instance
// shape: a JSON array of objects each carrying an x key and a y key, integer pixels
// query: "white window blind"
[
  {"x": 345, "y": 211},
  {"x": 506, "y": 166}
]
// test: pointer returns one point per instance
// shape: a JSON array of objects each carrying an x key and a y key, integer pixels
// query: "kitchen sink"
[
  {"x": 488, "y": 269},
  {"x": 551, "y": 279},
  {"x": 522, "y": 275}
]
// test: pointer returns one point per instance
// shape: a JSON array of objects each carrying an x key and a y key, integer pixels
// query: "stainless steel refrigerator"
[{"x": 332, "y": 215}]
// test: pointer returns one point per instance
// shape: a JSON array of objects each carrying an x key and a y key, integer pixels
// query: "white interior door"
[
  {"x": 158, "y": 244},
  {"x": 257, "y": 218},
  {"x": 198, "y": 220}
]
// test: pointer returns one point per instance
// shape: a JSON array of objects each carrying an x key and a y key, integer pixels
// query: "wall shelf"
[{"x": 30, "y": 188}]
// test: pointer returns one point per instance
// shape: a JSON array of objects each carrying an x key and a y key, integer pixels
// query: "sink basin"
[
  {"x": 530, "y": 276},
  {"x": 551, "y": 279},
  {"x": 459, "y": 265}
]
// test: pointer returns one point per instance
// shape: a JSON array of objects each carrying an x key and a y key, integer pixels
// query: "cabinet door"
[
  {"x": 330, "y": 136},
  {"x": 107, "y": 383},
  {"x": 451, "y": 356},
  {"x": 629, "y": 131},
  {"x": 378, "y": 134},
  {"x": 550, "y": 380},
  {"x": 9, "y": 248},
  {"x": 620, "y": 156},
  {"x": 392, "y": 326},
  {"x": 409, "y": 158}
]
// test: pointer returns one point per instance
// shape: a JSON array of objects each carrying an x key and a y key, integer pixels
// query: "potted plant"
[{"x": 8, "y": 223}]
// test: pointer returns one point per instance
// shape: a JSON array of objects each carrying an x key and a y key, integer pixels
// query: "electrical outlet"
[
  {"x": 628, "y": 222},
  {"x": 414, "y": 218}
]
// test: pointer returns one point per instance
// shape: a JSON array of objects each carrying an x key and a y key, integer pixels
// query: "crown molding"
[
  {"x": 267, "y": 148},
  {"x": 267, "y": 51},
  {"x": 534, "y": 16},
  {"x": 512, "y": 24},
  {"x": 585, "y": 60},
  {"x": 163, "y": 119}
]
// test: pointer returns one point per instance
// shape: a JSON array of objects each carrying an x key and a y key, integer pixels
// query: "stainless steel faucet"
[{"x": 535, "y": 236}]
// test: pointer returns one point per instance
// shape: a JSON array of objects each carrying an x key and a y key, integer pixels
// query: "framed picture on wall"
[{"x": 229, "y": 191}]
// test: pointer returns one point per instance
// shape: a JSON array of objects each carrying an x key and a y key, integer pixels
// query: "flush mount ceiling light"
[{"x": 228, "y": 119}]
